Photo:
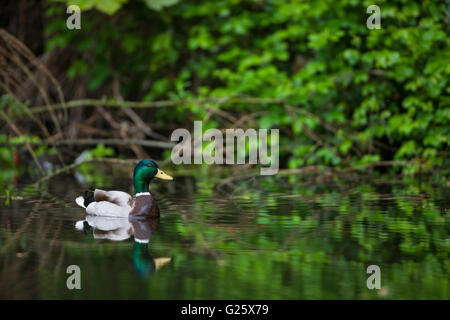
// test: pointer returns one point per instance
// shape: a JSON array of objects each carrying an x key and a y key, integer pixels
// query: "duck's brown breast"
[{"x": 145, "y": 206}]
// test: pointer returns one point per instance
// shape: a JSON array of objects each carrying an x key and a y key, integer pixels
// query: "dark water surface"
[{"x": 257, "y": 238}]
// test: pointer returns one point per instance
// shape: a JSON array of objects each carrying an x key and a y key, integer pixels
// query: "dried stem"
[
  {"x": 119, "y": 142},
  {"x": 17, "y": 131}
]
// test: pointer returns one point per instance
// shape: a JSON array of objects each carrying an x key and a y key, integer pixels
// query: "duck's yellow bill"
[
  {"x": 161, "y": 175},
  {"x": 161, "y": 262}
]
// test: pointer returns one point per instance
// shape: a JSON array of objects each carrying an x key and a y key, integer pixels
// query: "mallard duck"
[{"x": 122, "y": 204}]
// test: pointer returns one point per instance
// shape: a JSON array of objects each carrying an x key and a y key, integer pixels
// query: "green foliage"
[
  {"x": 106, "y": 6},
  {"x": 111, "y": 6},
  {"x": 101, "y": 151},
  {"x": 159, "y": 4},
  {"x": 354, "y": 95}
]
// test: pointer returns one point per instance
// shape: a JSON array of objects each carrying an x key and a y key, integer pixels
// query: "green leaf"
[{"x": 159, "y": 4}]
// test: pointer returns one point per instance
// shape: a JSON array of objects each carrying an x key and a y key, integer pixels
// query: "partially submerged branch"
[
  {"x": 317, "y": 170},
  {"x": 77, "y": 164}
]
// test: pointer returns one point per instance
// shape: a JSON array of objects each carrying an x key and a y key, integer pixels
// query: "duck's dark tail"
[{"x": 88, "y": 197}]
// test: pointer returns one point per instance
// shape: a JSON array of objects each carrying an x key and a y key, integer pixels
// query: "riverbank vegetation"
[{"x": 343, "y": 96}]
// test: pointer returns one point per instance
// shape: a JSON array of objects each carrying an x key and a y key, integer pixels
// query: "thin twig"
[
  {"x": 120, "y": 142},
  {"x": 388, "y": 163},
  {"x": 122, "y": 130},
  {"x": 17, "y": 131},
  {"x": 152, "y": 104},
  {"x": 43, "y": 128},
  {"x": 27, "y": 53},
  {"x": 41, "y": 90}
]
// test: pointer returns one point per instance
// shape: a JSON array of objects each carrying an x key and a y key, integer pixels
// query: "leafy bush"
[{"x": 349, "y": 95}]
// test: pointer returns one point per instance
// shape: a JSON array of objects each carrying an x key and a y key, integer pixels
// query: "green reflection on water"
[{"x": 258, "y": 238}]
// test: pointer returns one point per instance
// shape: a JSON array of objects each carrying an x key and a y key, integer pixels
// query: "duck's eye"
[{"x": 149, "y": 165}]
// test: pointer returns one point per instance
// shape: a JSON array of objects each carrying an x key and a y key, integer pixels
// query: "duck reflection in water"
[
  {"x": 144, "y": 264},
  {"x": 120, "y": 229}
]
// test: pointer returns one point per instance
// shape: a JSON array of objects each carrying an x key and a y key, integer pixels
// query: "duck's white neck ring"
[
  {"x": 142, "y": 194},
  {"x": 141, "y": 241}
]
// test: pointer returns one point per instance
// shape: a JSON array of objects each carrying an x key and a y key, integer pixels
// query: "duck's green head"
[{"x": 144, "y": 172}]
